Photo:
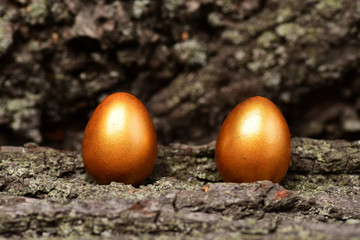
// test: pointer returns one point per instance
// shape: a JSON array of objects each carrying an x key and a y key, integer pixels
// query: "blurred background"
[{"x": 190, "y": 62}]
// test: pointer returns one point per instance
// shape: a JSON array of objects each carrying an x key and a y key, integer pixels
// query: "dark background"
[{"x": 190, "y": 62}]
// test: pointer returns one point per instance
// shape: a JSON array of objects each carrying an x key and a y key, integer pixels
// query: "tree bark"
[
  {"x": 46, "y": 192},
  {"x": 190, "y": 62}
]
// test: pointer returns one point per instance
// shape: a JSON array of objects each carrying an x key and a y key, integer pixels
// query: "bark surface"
[
  {"x": 46, "y": 193},
  {"x": 190, "y": 62}
]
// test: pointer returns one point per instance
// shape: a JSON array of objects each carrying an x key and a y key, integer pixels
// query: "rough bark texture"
[
  {"x": 46, "y": 193},
  {"x": 189, "y": 61}
]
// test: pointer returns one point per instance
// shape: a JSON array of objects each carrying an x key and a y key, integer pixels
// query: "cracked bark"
[{"x": 46, "y": 192}]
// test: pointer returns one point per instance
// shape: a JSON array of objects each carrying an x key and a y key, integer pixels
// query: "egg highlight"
[
  {"x": 254, "y": 143},
  {"x": 119, "y": 142}
]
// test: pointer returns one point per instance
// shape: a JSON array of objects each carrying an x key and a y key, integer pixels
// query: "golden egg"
[
  {"x": 119, "y": 142},
  {"x": 254, "y": 143}
]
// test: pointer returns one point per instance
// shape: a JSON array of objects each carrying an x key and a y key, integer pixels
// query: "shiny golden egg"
[
  {"x": 119, "y": 142},
  {"x": 254, "y": 143}
]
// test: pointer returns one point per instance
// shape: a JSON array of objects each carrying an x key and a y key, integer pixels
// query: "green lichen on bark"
[
  {"x": 5, "y": 36},
  {"x": 190, "y": 53},
  {"x": 194, "y": 60},
  {"x": 184, "y": 197},
  {"x": 139, "y": 6},
  {"x": 36, "y": 12}
]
